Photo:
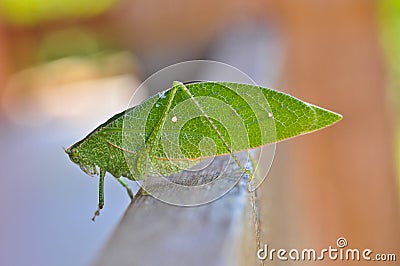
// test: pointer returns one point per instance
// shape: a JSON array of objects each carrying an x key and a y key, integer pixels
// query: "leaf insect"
[{"x": 163, "y": 134}]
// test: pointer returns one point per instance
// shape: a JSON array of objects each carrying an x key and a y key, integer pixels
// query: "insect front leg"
[{"x": 101, "y": 194}]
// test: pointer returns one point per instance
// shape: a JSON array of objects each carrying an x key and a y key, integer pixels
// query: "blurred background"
[{"x": 67, "y": 66}]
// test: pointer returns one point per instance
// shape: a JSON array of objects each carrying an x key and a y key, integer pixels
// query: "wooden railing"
[{"x": 222, "y": 232}]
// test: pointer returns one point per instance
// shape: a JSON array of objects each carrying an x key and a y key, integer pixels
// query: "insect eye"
[{"x": 74, "y": 152}]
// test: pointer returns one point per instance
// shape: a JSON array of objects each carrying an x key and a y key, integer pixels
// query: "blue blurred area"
[{"x": 46, "y": 202}]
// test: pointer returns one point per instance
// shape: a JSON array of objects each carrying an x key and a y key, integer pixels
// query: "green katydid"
[{"x": 166, "y": 132}]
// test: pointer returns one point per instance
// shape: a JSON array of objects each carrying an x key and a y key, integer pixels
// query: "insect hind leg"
[{"x": 143, "y": 190}]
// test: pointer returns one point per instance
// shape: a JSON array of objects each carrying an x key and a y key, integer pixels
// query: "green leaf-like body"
[{"x": 175, "y": 129}]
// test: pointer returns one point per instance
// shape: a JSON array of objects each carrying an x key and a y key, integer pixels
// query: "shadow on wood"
[{"x": 218, "y": 233}]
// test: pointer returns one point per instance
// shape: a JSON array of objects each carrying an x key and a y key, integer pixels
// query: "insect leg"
[
  {"x": 243, "y": 168},
  {"x": 101, "y": 194},
  {"x": 125, "y": 185},
  {"x": 146, "y": 172},
  {"x": 252, "y": 168}
]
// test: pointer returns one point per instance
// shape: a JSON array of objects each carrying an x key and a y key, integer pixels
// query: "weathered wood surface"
[{"x": 156, "y": 233}]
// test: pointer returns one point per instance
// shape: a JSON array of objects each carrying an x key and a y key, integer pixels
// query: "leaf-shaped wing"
[{"x": 213, "y": 118}]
